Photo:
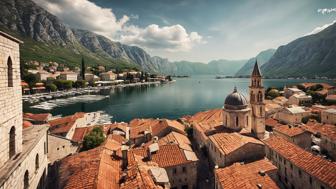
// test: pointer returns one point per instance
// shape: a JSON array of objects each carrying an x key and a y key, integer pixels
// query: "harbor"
[{"x": 99, "y": 90}]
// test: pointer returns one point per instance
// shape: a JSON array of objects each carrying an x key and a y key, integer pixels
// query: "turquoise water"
[{"x": 186, "y": 96}]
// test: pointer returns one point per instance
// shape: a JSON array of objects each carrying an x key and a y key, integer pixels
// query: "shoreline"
[{"x": 41, "y": 97}]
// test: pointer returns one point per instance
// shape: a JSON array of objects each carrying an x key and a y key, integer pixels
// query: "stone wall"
[
  {"x": 10, "y": 97},
  {"x": 183, "y": 176},
  {"x": 328, "y": 118},
  {"x": 59, "y": 148},
  {"x": 16, "y": 179}
]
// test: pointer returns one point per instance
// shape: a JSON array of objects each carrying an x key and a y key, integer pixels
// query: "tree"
[
  {"x": 51, "y": 87},
  {"x": 80, "y": 84},
  {"x": 272, "y": 93},
  {"x": 63, "y": 84},
  {"x": 93, "y": 139},
  {"x": 31, "y": 79}
]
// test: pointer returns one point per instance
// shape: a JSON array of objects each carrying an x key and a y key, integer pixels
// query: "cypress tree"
[{"x": 83, "y": 69}]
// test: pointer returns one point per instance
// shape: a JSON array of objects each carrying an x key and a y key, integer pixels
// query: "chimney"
[
  {"x": 261, "y": 172},
  {"x": 148, "y": 135},
  {"x": 124, "y": 151},
  {"x": 152, "y": 149}
]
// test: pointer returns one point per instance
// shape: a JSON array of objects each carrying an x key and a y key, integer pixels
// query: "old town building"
[
  {"x": 292, "y": 115},
  {"x": 258, "y": 174},
  {"x": 23, "y": 152},
  {"x": 297, "y": 167},
  {"x": 227, "y": 148},
  {"x": 300, "y": 100},
  {"x": 324, "y": 136},
  {"x": 328, "y": 116},
  {"x": 294, "y": 134}
]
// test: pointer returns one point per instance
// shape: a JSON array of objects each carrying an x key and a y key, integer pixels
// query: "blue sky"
[{"x": 197, "y": 30}]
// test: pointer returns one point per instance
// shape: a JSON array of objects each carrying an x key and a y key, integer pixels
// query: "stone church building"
[
  {"x": 23, "y": 152},
  {"x": 238, "y": 114}
]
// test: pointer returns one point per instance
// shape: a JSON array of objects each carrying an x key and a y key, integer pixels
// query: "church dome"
[{"x": 235, "y": 101}]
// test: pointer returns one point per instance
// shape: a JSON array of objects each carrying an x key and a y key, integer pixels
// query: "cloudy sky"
[{"x": 198, "y": 30}]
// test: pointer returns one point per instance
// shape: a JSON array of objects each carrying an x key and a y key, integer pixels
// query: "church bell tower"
[{"x": 257, "y": 94}]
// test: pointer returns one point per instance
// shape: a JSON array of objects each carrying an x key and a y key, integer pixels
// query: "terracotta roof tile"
[
  {"x": 80, "y": 133},
  {"x": 326, "y": 130},
  {"x": 229, "y": 142},
  {"x": 167, "y": 155},
  {"x": 289, "y": 130},
  {"x": 26, "y": 124},
  {"x": 36, "y": 117},
  {"x": 208, "y": 119},
  {"x": 247, "y": 175},
  {"x": 271, "y": 122},
  {"x": 176, "y": 138},
  {"x": 64, "y": 124},
  {"x": 315, "y": 166}
]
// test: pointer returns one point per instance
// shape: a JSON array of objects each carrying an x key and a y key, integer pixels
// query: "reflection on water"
[{"x": 185, "y": 96}]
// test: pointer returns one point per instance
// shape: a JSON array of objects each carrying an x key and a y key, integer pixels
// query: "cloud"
[
  {"x": 326, "y": 10},
  {"x": 169, "y": 38},
  {"x": 84, "y": 14},
  {"x": 320, "y": 28}
]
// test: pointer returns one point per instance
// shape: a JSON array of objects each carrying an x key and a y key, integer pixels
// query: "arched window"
[
  {"x": 261, "y": 111},
  {"x": 247, "y": 121},
  {"x": 10, "y": 72},
  {"x": 237, "y": 121},
  {"x": 260, "y": 96},
  {"x": 37, "y": 162},
  {"x": 226, "y": 120},
  {"x": 12, "y": 142},
  {"x": 26, "y": 180}
]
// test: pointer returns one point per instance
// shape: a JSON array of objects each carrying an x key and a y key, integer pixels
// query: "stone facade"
[
  {"x": 59, "y": 147},
  {"x": 328, "y": 116},
  {"x": 257, "y": 98},
  {"x": 10, "y": 98},
  {"x": 183, "y": 176},
  {"x": 237, "y": 119},
  {"x": 23, "y": 152}
]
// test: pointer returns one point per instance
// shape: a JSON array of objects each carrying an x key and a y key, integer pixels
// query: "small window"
[
  {"x": 26, "y": 180},
  {"x": 300, "y": 173},
  {"x": 310, "y": 181},
  {"x": 174, "y": 170},
  {"x": 10, "y": 72},
  {"x": 37, "y": 162},
  {"x": 184, "y": 169},
  {"x": 322, "y": 187}
]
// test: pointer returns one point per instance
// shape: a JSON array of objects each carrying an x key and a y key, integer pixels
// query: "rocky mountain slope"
[
  {"x": 215, "y": 67},
  {"x": 262, "y": 58},
  {"x": 49, "y": 39},
  {"x": 309, "y": 56}
]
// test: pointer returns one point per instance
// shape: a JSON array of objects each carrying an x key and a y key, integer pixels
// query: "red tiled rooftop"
[
  {"x": 315, "y": 166},
  {"x": 331, "y": 97},
  {"x": 91, "y": 169},
  {"x": 289, "y": 130},
  {"x": 247, "y": 175},
  {"x": 80, "y": 133},
  {"x": 167, "y": 156},
  {"x": 36, "y": 117},
  {"x": 229, "y": 142},
  {"x": 208, "y": 119},
  {"x": 326, "y": 130},
  {"x": 26, "y": 124},
  {"x": 271, "y": 122}
]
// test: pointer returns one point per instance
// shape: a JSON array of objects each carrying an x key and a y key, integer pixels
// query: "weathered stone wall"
[
  {"x": 16, "y": 179},
  {"x": 328, "y": 118},
  {"x": 10, "y": 98},
  {"x": 183, "y": 177},
  {"x": 59, "y": 148}
]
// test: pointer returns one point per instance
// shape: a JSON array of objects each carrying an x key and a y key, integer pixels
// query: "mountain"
[
  {"x": 215, "y": 67},
  {"x": 308, "y": 56},
  {"x": 46, "y": 38},
  {"x": 262, "y": 58}
]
